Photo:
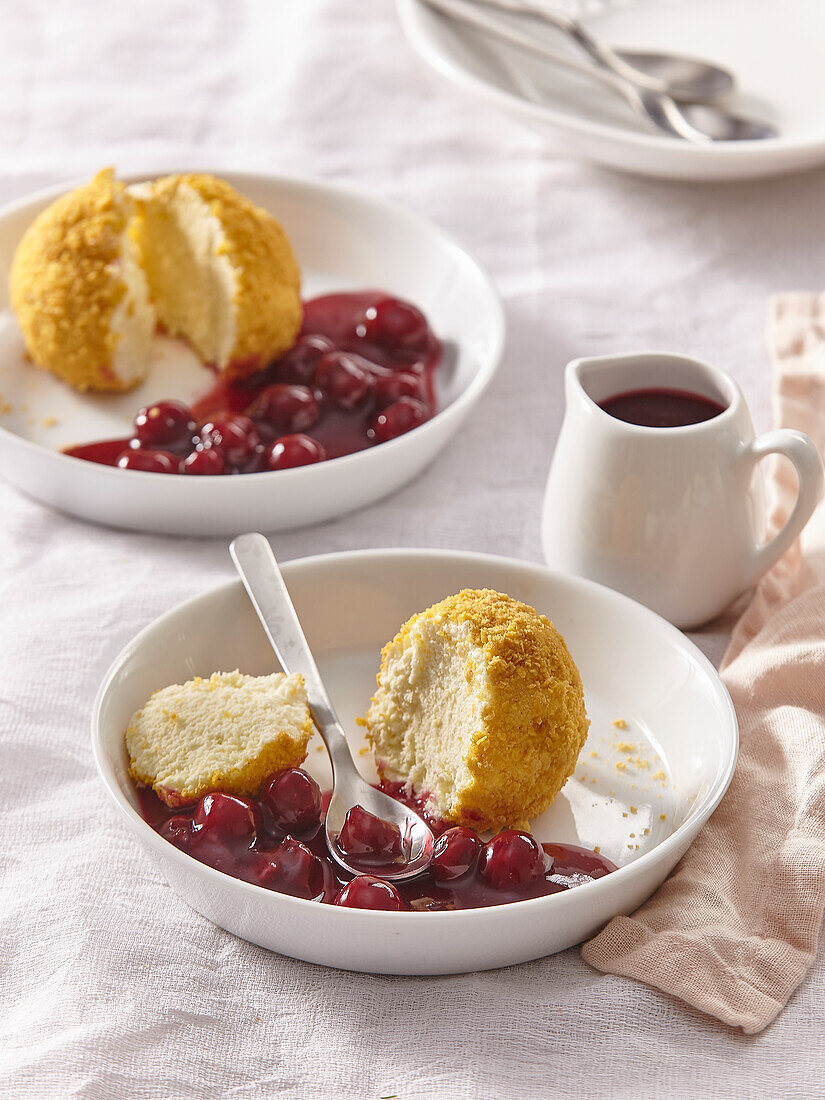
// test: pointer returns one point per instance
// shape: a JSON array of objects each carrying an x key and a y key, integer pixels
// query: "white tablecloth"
[{"x": 111, "y": 986}]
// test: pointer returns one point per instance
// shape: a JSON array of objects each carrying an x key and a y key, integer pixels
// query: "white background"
[{"x": 110, "y": 986}]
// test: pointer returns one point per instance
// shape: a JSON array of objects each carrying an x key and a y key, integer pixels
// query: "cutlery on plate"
[
  {"x": 258, "y": 569},
  {"x": 683, "y": 78},
  {"x": 698, "y": 123}
]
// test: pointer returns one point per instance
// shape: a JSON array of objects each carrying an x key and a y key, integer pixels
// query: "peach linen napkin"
[{"x": 735, "y": 927}]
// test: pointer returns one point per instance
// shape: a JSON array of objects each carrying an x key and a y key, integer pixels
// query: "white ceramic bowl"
[
  {"x": 344, "y": 240},
  {"x": 774, "y": 50},
  {"x": 635, "y": 666}
]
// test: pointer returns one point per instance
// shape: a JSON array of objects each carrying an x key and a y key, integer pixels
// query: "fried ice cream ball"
[
  {"x": 104, "y": 266},
  {"x": 479, "y": 709}
]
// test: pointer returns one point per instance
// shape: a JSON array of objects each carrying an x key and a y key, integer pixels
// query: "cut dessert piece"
[
  {"x": 479, "y": 708},
  {"x": 227, "y": 733},
  {"x": 101, "y": 266},
  {"x": 221, "y": 271},
  {"x": 81, "y": 299}
]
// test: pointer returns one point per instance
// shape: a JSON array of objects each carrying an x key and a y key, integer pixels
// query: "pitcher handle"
[{"x": 807, "y": 461}]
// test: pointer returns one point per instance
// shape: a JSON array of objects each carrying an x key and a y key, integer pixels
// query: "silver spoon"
[
  {"x": 699, "y": 123},
  {"x": 265, "y": 586},
  {"x": 683, "y": 78}
]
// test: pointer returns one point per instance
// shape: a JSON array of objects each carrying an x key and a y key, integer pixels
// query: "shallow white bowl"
[
  {"x": 344, "y": 240},
  {"x": 774, "y": 50},
  {"x": 635, "y": 666}
]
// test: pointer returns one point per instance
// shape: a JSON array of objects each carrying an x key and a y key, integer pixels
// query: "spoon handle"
[
  {"x": 470, "y": 13},
  {"x": 659, "y": 110},
  {"x": 268, "y": 593}
]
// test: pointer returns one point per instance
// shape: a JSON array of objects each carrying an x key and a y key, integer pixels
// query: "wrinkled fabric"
[
  {"x": 110, "y": 985},
  {"x": 735, "y": 928}
]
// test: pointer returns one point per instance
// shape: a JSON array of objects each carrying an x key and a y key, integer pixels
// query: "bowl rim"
[
  {"x": 318, "y": 188},
  {"x": 682, "y": 836},
  {"x": 743, "y": 151}
]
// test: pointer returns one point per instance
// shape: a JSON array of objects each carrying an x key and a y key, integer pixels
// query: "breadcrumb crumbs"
[
  {"x": 595, "y": 755},
  {"x": 360, "y": 721},
  {"x": 633, "y": 810},
  {"x": 620, "y": 724},
  {"x": 663, "y": 817},
  {"x": 363, "y": 750},
  {"x": 48, "y": 421},
  {"x": 626, "y": 746}
]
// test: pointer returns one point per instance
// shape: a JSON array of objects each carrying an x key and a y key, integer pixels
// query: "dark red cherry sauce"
[
  {"x": 361, "y": 373},
  {"x": 661, "y": 408},
  {"x": 277, "y": 841}
]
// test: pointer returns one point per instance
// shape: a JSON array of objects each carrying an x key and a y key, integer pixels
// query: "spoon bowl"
[
  {"x": 416, "y": 837},
  {"x": 683, "y": 78},
  {"x": 724, "y": 125},
  {"x": 268, "y": 594},
  {"x": 700, "y": 123}
]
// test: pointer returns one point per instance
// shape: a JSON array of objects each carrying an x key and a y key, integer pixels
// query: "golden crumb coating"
[
  {"x": 66, "y": 284},
  {"x": 480, "y": 708},
  {"x": 267, "y": 280},
  {"x": 227, "y": 733}
]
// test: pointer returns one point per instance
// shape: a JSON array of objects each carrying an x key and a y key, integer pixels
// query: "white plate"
[
  {"x": 643, "y": 813},
  {"x": 774, "y": 50},
  {"x": 344, "y": 240}
]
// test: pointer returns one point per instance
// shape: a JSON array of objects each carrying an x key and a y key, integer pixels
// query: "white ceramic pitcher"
[{"x": 673, "y": 517}]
